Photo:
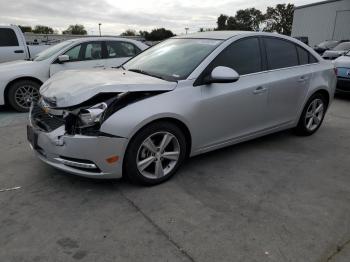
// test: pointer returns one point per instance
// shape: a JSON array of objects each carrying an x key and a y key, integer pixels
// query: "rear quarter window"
[
  {"x": 8, "y": 37},
  {"x": 305, "y": 57}
]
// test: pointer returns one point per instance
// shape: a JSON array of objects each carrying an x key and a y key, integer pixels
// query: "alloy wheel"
[
  {"x": 25, "y": 94},
  {"x": 158, "y": 155},
  {"x": 314, "y": 114}
]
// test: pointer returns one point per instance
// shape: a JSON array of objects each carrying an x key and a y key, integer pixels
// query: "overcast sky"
[{"x": 116, "y": 16}]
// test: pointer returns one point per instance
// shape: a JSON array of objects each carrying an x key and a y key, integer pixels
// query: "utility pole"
[
  {"x": 186, "y": 28},
  {"x": 99, "y": 28}
]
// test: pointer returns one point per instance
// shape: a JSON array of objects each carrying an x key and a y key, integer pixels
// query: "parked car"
[
  {"x": 20, "y": 80},
  {"x": 337, "y": 51},
  {"x": 13, "y": 45},
  {"x": 342, "y": 65},
  {"x": 326, "y": 45},
  {"x": 185, "y": 96}
]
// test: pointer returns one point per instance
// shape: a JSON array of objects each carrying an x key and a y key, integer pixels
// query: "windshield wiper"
[{"x": 145, "y": 73}]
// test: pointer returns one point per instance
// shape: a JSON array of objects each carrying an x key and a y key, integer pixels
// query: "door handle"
[
  {"x": 98, "y": 66},
  {"x": 260, "y": 90},
  {"x": 18, "y": 51}
]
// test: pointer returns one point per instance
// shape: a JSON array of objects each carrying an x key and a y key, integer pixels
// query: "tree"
[
  {"x": 158, "y": 34},
  {"x": 129, "y": 32},
  {"x": 221, "y": 22},
  {"x": 75, "y": 30},
  {"x": 249, "y": 19},
  {"x": 25, "y": 28},
  {"x": 280, "y": 19},
  {"x": 231, "y": 23},
  {"x": 42, "y": 29}
]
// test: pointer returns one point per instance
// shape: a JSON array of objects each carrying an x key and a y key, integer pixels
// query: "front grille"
[{"x": 45, "y": 121}]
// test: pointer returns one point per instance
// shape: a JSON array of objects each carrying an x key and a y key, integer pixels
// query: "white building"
[{"x": 322, "y": 21}]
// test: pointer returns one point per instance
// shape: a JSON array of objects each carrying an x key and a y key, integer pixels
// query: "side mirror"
[
  {"x": 222, "y": 74},
  {"x": 63, "y": 58}
]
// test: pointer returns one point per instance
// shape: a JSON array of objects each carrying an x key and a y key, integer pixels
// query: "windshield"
[
  {"x": 51, "y": 51},
  {"x": 342, "y": 46},
  {"x": 174, "y": 59},
  {"x": 327, "y": 44}
]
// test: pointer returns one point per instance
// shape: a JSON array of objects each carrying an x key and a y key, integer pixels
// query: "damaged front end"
[{"x": 85, "y": 118}]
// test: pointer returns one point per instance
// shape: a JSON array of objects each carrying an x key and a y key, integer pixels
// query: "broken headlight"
[{"x": 93, "y": 115}]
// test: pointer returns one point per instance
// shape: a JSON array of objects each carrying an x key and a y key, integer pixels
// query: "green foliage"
[
  {"x": 25, "y": 28},
  {"x": 222, "y": 22},
  {"x": 276, "y": 19},
  {"x": 75, "y": 30},
  {"x": 158, "y": 34},
  {"x": 42, "y": 29},
  {"x": 280, "y": 19},
  {"x": 129, "y": 32}
]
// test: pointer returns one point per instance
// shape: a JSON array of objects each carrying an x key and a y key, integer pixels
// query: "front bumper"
[{"x": 78, "y": 154}]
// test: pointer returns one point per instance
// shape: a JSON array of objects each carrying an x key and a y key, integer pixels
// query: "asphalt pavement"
[{"x": 276, "y": 198}]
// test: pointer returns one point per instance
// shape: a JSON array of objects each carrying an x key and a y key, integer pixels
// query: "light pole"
[
  {"x": 186, "y": 28},
  {"x": 99, "y": 28}
]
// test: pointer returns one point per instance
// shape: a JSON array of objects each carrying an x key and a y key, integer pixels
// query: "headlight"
[{"x": 92, "y": 115}]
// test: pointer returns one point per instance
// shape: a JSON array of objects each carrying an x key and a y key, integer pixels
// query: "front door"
[{"x": 232, "y": 111}]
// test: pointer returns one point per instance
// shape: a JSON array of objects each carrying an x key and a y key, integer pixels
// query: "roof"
[
  {"x": 317, "y": 3},
  {"x": 100, "y": 38},
  {"x": 221, "y": 35}
]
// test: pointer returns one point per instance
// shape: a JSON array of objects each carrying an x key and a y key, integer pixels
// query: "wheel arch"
[
  {"x": 183, "y": 127},
  {"x": 9, "y": 84},
  {"x": 324, "y": 93}
]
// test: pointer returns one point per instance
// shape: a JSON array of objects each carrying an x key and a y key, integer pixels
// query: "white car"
[
  {"x": 20, "y": 80},
  {"x": 342, "y": 65}
]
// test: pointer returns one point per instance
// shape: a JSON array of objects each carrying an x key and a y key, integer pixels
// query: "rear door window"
[
  {"x": 280, "y": 53},
  {"x": 118, "y": 49},
  {"x": 8, "y": 37}
]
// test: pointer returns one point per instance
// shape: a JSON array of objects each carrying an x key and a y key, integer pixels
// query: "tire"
[
  {"x": 17, "y": 96},
  {"x": 139, "y": 149},
  {"x": 310, "y": 115}
]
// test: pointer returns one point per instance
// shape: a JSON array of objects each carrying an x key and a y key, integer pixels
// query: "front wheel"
[
  {"x": 155, "y": 153},
  {"x": 22, "y": 93},
  {"x": 312, "y": 115}
]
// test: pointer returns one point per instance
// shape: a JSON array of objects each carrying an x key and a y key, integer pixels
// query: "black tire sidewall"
[
  {"x": 12, "y": 91},
  {"x": 301, "y": 128},
  {"x": 130, "y": 169}
]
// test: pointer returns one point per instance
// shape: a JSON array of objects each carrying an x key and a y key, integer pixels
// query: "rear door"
[
  {"x": 10, "y": 48},
  {"x": 289, "y": 74},
  {"x": 118, "y": 52},
  {"x": 82, "y": 56}
]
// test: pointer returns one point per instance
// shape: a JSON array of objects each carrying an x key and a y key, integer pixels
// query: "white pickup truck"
[{"x": 13, "y": 45}]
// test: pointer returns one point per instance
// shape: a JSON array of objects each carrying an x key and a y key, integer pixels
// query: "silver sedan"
[{"x": 185, "y": 96}]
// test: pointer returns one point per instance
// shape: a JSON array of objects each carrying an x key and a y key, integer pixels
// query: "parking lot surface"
[{"x": 277, "y": 198}]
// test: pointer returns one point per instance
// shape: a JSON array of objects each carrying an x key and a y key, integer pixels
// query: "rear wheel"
[
  {"x": 155, "y": 153},
  {"x": 312, "y": 115},
  {"x": 22, "y": 93}
]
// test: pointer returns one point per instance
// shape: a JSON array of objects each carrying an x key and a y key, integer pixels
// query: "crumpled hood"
[
  {"x": 343, "y": 61},
  {"x": 333, "y": 53},
  {"x": 72, "y": 87}
]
